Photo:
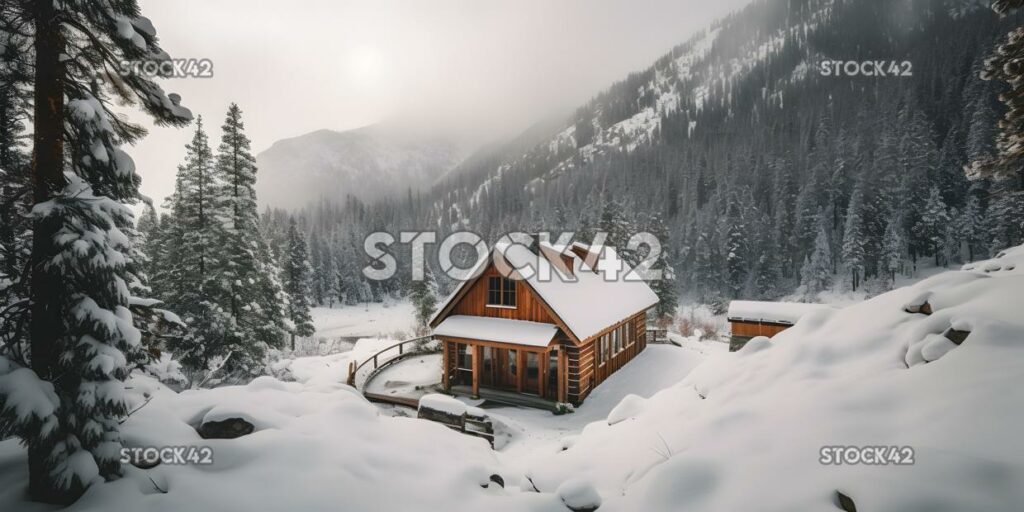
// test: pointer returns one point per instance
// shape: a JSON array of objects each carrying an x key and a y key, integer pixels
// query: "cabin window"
[
  {"x": 627, "y": 334},
  {"x": 604, "y": 348},
  {"x": 616, "y": 342},
  {"x": 464, "y": 362},
  {"x": 501, "y": 292}
]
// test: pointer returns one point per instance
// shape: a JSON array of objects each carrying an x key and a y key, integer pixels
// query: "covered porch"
[{"x": 497, "y": 359}]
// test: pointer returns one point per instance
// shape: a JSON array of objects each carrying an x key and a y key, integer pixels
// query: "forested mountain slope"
[
  {"x": 762, "y": 175},
  {"x": 768, "y": 173}
]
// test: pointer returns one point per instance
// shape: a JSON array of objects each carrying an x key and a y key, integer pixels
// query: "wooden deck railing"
[{"x": 360, "y": 374}]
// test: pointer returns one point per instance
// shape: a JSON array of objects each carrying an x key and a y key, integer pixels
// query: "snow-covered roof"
[
  {"x": 588, "y": 301},
  {"x": 517, "y": 332},
  {"x": 775, "y": 312}
]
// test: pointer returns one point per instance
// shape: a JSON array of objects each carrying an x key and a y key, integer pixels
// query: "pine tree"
[
  {"x": 665, "y": 287},
  {"x": 254, "y": 296},
  {"x": 972, "y": 222},
  {"x": 1003, "y": 66},
  {"x": 931, "y": 228},
  {"x": 735, "y": 249},
  {"x": 81, "y": 257},
  {"x": 190, "y": 279},
  {"x": 894, "y": 247},
  {"x": 296, "y": 283},
  {"x": 854, "y": 236},
  {"x": 816, "y": 274},
  {"x": 423, "y": 294}
]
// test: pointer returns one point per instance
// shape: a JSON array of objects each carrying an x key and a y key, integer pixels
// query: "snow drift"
[{"x": 744, "y": 431}]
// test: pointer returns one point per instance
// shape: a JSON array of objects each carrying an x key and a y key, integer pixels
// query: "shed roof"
[
  {"x": 517, "y": 332},
  {"x": 773, "y": 312}
]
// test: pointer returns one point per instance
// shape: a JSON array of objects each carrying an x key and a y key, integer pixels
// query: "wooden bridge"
[{"x": 360, "y": 375}]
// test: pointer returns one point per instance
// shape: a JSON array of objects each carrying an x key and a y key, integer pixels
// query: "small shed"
[{"x": 750, "y": 318}]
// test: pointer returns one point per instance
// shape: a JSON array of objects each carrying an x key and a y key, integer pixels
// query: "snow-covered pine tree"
[
  {"x": 254, "y": 298},
  {"x": 816, "y": 274},
  {"x": 15, "y": 180},
  {"x": 147, "y": 240},
  {"x": 854, "y": 236},
  {"x": 736, "y": 237},
  {"x": 1003, "y": 66},
  {"x": 82, "y": 337},
  {"x": 972, "y": 222},
  {"x": 190, "y": 279},
  {"x": 295, "y": 280},
  {"x": 894, "y": 249},
  {"x": 423, "y": 295},
  {"x": 666, "y": 287},
  {"x": 930, "y": 229}
]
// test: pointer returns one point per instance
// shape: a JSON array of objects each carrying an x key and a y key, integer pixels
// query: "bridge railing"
[{"x": 359, "y": 374}]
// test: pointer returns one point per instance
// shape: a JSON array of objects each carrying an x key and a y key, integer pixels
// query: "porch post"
[
  {"x": 563, "y": 377},
  {"x": 542, "y": 381},
  {"x": 521, "y": 374},
  {"x": 477, "y": 359},
  {"x": 445, "y": 370}
]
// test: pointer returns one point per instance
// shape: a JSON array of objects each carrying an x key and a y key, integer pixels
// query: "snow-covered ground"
[
  {"x": 680, "y": 428},
  {"x": 392, "y": 319},
  {"x": 532, "y": 434}
]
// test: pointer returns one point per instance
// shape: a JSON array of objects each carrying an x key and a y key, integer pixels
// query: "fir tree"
[
  {"x": 423, "y": 294},
  {"x": 665, "y": 287},
  {"x": 296, "y": 283},
  {"x": 893, "y": 248},
  {"x": 82, "y": 265},
  {"x": 854, "y": 235},
  {"x": 254, "y": 296},
  {"x": 1003, "y": 66},
  {"x": 735, "y": 250},
  {"x": 972, "y": 222},
  {"x": 190, "y": 279},
  {"x": 931, "y": 228},
  {"x": 816, "y": 274}
]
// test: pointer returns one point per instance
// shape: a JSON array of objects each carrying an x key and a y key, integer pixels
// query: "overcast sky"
[{"x": 485, "y": 66}]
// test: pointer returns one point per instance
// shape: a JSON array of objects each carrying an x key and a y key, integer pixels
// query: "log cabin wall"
[
  {"x": 528, "y": 305},
  {"x": 585, "y": 368}
]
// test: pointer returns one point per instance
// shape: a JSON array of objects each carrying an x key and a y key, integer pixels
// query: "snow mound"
[
  {"x": 443, "y": 403},
  {"x": 628, "y": 408},
  {"x": 945, "y": 384},
  {"x": 579, "y": 495}
]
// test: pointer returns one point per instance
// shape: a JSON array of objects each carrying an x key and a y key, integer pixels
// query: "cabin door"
[
  {"x": 531, "y": 381},
  {"x": 508, "y": 368}
]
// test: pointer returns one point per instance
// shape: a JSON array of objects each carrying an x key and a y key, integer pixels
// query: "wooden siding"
[
  {"x": 584, "y": 372},
  {"x": 751, "y": 329},
  {"x": 528, "y": 305}
]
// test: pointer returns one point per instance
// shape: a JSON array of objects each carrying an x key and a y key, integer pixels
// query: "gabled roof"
[{"x": 586, "y": 302}]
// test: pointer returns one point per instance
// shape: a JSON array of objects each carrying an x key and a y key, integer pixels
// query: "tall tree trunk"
[{"x": 47, "y": 180}]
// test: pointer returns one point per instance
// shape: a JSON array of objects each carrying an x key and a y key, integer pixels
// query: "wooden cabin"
[
  {"x": 544, "y": 338},
  {"x": 750, "y": 318}
]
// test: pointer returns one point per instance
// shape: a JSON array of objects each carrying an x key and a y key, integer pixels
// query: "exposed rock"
[
  {"x": 498, "y": 480},
  {"x": 956, "y": 336},
  {"x": 845, "y": 502},
  {"x": 225, "y": 429}
]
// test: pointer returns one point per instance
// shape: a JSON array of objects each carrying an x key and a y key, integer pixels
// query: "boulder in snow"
[
  {"x": 919, "y": 304},
  {"x": 579, "y": 495},
  {"x": 229, "y": 428}
]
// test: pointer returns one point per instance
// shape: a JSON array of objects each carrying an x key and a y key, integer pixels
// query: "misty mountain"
[
  {"x": 370, "y": 163},
  {"x": 762, "y": 175}
]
